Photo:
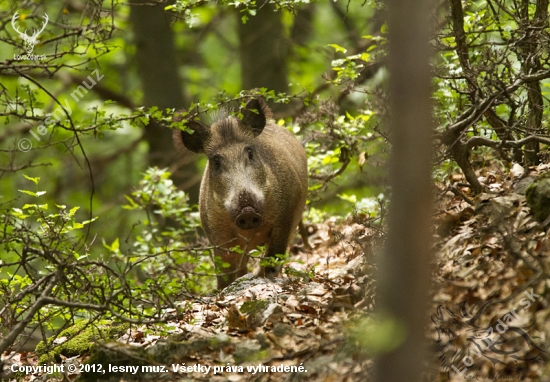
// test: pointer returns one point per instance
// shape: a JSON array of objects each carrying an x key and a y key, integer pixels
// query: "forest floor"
[{"x": 489, "y": 308}]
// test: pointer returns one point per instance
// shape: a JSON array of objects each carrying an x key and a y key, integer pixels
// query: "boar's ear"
[
  {"x": 194, "y": 142},
  {"x": 255, "y": 115}
]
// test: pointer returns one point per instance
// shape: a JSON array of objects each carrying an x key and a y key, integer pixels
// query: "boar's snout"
[
  {"x": 248, "y": 219},
  {"x": 246, "y": 210}
]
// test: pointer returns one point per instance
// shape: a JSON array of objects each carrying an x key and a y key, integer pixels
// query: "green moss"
[
  {"x": 219, "y": 341},
  {"x": 538, "y": 198},
  {"x": 80, "y": 338},
  {"x": 253, "y": 306}
]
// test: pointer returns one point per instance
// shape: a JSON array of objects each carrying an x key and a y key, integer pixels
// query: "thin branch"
[
  {"x": 79, "y": 143},
  {"x": 20, "y": 327}
]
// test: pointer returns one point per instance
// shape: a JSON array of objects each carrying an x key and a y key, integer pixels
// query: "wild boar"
[{"x": 254, "y": 187}]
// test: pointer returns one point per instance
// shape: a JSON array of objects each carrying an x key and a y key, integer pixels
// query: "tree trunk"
[
  {"x": 302, "y": 28},
  {"x": 263, "y": 50},
  {"x": 530, "y": 52},
  {"x": 404, "y": 275},
  {"x": 158, "y": 71}
]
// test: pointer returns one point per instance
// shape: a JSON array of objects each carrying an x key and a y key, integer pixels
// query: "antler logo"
[{"x": 29, "y": 41}]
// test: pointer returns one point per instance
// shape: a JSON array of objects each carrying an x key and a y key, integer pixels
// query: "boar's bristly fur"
[{"x": 254, "y": 187}]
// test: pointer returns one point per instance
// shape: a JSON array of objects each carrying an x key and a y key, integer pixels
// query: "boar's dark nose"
[{"x": 248, "y": 219}]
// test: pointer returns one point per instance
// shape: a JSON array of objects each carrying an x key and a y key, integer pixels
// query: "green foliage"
[
  {"x": 490, "y": 78},
  {"x": 338, "y": 144},
  {"x": 375, "y": 334},
  {"x": 46, "y": 253},
  {"x": 349, "y": 68},
  {"x": 157, "y": 193},
  {"x": 165, "y": 233},
  {"x": 187, "y": 8},
  {"x": 78, "y": 239},
  {"x": 304, "y": 276},
  {"x": 278, "y": 261},
  {"x": 371, "y": 208}
]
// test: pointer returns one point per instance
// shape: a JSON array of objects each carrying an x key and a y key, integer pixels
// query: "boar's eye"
[
  {"x": 216, "y": 161},
  {"x": 250, "y": 153}
]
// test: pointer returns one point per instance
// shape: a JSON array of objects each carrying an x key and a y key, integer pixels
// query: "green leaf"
[
  {"x": 28, "y": 192},
  {"x": 338, "y": 48},
  {"x": 365, "y": 57},
  {"x": 18, "y": 213},
  {"x": 348, "y": 198},
  {"x": 35, "y": 194},
  {"x": 89, "y": 221},
  {"x": 35, "y": 180},
  {"x": 115, "y": 246}
]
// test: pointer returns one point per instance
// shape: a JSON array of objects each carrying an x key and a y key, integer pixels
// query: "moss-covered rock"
[
  {"x": 172, "y": 350},
  {"x": 77, "y": 340},
  {"x": 248, "y": 351},
  {"x": 538, "y": 197},
  {"x": 119, "y": 362},
  {"x": 253, "y": 306}
]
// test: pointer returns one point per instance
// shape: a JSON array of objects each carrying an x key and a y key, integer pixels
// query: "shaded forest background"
[{"x": 99, "y": 215}]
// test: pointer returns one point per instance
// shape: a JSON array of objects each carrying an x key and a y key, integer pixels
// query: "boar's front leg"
[
  {"x": 237, "y": 266},
  {"x": 278, "y": 244}
]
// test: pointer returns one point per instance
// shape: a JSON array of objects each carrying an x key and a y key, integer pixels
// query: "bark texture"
[
  {"x": 404, "y": 272},
  {"x": 263, "y": 49},
  {"x": 158, "y": 72}
]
